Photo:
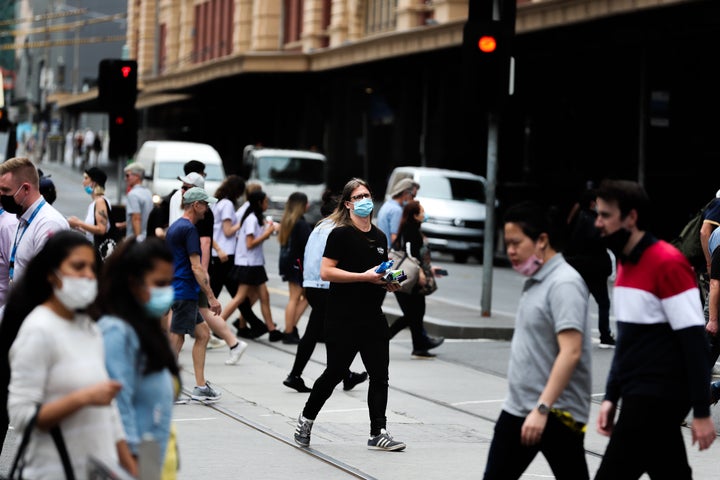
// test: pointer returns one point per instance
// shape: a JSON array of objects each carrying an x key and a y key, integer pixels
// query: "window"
[{"x": 381, "y": 16}]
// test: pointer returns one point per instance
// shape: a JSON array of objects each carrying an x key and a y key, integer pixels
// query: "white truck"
[{"x": 283, "y": 172}]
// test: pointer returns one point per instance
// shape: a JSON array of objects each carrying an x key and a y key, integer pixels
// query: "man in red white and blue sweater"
[{"x": 660, "y": 367}]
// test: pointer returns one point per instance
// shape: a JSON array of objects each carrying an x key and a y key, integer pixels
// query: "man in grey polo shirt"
[{"x": 549, "y": 382}]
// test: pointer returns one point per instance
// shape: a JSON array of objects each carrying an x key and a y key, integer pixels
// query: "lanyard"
[{"x": 11, "y": 270}]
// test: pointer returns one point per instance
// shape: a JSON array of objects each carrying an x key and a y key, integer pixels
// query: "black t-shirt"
[
  {"x": 715, "y": 265},
  {"x": 357, "y": 306}
]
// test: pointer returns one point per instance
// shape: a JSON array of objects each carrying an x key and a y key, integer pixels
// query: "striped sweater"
[{"x": 661, "y": 347}]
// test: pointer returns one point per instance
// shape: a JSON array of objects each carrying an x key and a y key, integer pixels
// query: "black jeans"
[
  {"x": 375, "y": 354},
  {"x": 599, "y": 290},
  {"x": 317, "y": 298},
  {"x": 562, "y": 447},
  {"x": 413, "y": 308},
  {"x": 646, "y": 438}
]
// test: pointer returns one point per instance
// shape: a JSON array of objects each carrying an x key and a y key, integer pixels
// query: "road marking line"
[{"x": 193, "y": 419}]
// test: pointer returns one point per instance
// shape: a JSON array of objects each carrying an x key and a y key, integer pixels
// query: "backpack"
[{"x": 688, "y": 242}]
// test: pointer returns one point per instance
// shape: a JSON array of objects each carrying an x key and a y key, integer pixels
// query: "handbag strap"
[
  {"x": 19, "y": 463},
  {"x": 57, "y": 437}
]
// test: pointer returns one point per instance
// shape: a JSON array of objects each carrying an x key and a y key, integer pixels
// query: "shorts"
[
  {"x": 293, "y": 275},
  {"x": 185, "y": 315},
  {"x": 203, "y": 300},
  {"x": 250, "y": 275}
]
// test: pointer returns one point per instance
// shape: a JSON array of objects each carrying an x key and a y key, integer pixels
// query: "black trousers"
[
  {"x": 375, "y": 354},
  {"x": 599, "y": 290},
  {"x": 562, "y": 447},
  {"x": 646, "y": 439},
  {"x": 317, "y": 298},
  {"x": 413, "y": 308}
]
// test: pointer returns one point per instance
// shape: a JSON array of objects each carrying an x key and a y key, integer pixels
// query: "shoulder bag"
[
  {"x": 18, "y": 464},
  {"x": 106, "y": 243},
  {"x": 409, "y": 264}
]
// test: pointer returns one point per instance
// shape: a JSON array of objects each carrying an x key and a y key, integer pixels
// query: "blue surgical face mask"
[
  {"x": 89, "y": 190},
  {"x": 161, "y": 299},
  {"x": 363, "y": 207},
  {"x": 425, "y": 217}
]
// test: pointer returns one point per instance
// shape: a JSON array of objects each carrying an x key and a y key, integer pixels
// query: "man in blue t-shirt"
[
  {"x": 388, "y": 220},
  {"x": 190, "y": 277}
]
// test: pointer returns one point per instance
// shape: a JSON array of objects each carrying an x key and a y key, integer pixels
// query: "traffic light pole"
[{"x": 489, "y": 237}]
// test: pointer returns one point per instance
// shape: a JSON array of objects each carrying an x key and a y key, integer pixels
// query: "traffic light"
[
  {"x": 123, "y": 133},
  {"x": 487, "y": 50},
  {"x": 117, "y": 84}
]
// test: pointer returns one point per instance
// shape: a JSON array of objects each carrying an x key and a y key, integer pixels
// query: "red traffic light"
[
  {"x": 119, "y": 120},
  {"x": 126, "y": 71},
  {"x": 487, "y": 44}
]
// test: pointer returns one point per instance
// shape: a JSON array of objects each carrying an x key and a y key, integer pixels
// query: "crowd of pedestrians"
[{"x": 91, "y": 337}]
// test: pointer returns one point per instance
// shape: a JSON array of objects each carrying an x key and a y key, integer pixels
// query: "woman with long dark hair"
[
  {"x": 294, "y": 233},
  {"x": 57, "y": 362},
  {"x": 135, "y": 292},
  {"x": 413, "y": 304},
  {"x": 354, "y": 322},
  {"x": 249, "y": 267}
]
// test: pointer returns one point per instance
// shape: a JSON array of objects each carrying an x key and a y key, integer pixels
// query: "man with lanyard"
[
  {"x": 8, "y": 226},
  {"x": 37, "y": 220}
]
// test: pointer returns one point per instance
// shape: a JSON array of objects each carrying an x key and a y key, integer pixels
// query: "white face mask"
[{"x": 76, "y": 293}]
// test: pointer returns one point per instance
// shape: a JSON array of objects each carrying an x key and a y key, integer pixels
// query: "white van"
[
  {"x": 164, "y": 159},
  {"x": 454, "y": 202},
  {"x": 283, "y": 172}
]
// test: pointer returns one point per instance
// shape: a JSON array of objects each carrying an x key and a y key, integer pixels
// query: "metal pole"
[{"x": 489, "y": 240}]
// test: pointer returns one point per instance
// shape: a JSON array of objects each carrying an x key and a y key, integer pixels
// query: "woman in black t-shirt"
[{"x": 355, "y": 322}]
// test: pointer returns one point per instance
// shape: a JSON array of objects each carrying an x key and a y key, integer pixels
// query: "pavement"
[{"x": 444, "y": 410}]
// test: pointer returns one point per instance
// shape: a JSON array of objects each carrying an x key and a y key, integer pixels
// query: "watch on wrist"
[{"x": 542, "y": 408}]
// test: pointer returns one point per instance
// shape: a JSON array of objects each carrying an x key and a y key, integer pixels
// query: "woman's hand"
[
  {"x": 373, "y": 277},
  {"x": 74, "y": 222},
  {"x": 102, "y": 393}
]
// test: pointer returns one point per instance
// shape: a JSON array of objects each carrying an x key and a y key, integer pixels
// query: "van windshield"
[
  {"x": 172, "y": 170},
  {"x": 449, "y": 188},
  {"x": 300, "y": 171}
]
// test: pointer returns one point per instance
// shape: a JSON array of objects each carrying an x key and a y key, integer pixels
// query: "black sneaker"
[
  {"x": 353, "y": 379},
  {"x": 302, "y": 431},
  {"x": 385, "y": 442},
  {"x": 292, "y": 338},
  {"x": 296, "y": 382},
  {"x": 423, "y": 354},
  {"x": 258, "y": 330},
  {"x": 276, "y": 335},
  {"x": 607, "y": 342}
]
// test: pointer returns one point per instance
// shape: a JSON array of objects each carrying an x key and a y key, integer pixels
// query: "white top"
[
  {"x": 253, "y": 257},
  {"x": 90, "y": 218},
  {"x": 176, "y": 210},
  {"x": 46, "y": 222},
  {"x": 8, "y": 226},
  {"x": 50, "y": 358},
  {"x": 224, "y": 210}
]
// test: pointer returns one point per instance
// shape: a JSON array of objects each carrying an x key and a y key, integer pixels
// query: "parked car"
[{"x": 454, "y": 202}]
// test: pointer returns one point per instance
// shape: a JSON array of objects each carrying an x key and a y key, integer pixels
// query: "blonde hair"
[
  {"x": 341, "y": 215},
  {"x": 252, "y": 186},
  {"x": 22, "y": 169},
  {"x": 294, "y": 209}
]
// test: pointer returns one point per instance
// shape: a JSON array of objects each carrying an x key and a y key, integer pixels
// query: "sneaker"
[
  {"x": 385, "y": 442},
  {"x": 302, "y": 431},
  {"x": 714, "y": 393},
  {"x": 205, "y": 394},
  {"x": 422, "y": 354},
  {"x": 292, "y": 338},
  {"x": 244, "y": 332},
  {"x": 353, "y": 379},
  {"x": 296, "y": 382},
  {"x": 607, "y": 342},
  {"x": 276, "y": 335},
  {"x": 215, "y": 343},
  {"x": 258, "y": 331},
  {"x": 236, "y": 352}
]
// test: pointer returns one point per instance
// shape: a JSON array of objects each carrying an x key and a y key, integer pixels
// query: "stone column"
[
  {"x": 449, "y": 10},
  {"x": 266, "y": 16},
  {"x": 338, "y": 29},
  {"x": 312, "y": 30},
  {"x": 242, "y": 25}
]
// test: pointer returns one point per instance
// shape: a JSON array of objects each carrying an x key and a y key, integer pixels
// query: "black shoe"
[
  {"x": 258, "y": 331},
  {"x": 434, "y": 342},
  {"x": 353, "y": 379},
  {"x": 244, "y": 333},
  {"x": 423, "y": 354},
  {"x": 607, "y": 342},
  {"x": 276, "y": 335},
  {"x": 292, "y": 338},
  {"x": 296, "y": 382}
]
